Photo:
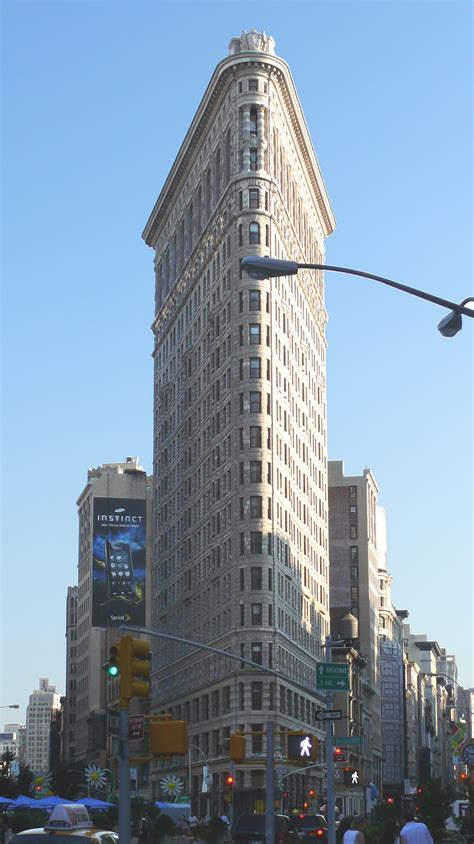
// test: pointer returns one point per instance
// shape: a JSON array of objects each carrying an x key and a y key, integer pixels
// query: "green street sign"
[
  {"x": 332, "y": 676},
  {"x": 345, "y": 740}
]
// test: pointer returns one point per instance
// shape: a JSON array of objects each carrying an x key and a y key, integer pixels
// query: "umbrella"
[
  {"x": 92, "y": 803},
  {"x": 26, "y": 803},
  {"x": 53, "y": 800}
]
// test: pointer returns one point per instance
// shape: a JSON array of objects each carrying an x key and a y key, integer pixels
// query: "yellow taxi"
[{"x": 69, "y": 824}]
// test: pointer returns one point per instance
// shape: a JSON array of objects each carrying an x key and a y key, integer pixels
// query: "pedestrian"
[
  {"x": 414, "y": 832},
  {"x": 354, "y": 835},
  {"x": 390, "y": 832}
]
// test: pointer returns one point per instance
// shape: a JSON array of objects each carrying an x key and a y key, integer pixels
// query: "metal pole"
[
  {"x": 124, "y": 778},
  {"x": 270, "y": 787},
  {"x": 330, "y": 795}
]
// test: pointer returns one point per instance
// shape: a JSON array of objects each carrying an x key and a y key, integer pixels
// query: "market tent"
[
  {"x": 52, "y": 800},
  {"x": 92, "y": 803},
  {"x": 26, "y": 803},
  {"x": 5, "y": 800}
]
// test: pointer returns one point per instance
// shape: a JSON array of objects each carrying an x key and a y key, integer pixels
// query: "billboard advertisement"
[{"x": 119, "y": 562}]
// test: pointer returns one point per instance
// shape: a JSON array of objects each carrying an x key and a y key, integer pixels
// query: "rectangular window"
[
  {"x": 242, "y": 509},
  {"x": 255, "y": 507},
  {"x": 354, "y": 593},
  {"x": 354, "y": 572},
  {"x": 254, "y": 334},
  {"x": 354, "y": 551},
  {"x": 253, "y": 84},
  {"x": 256, "y": 652},
  {"x": 255, "y": 367},
  {"x": 241, "y": 369},
  {"x": 242, "y": 544},
  {"x": 255, "y": 542},
  {"x": 255, "y": 471},
  {"x": 241, "y": 473},
  {"x": 254, "y": 300},
  {"x": 255, "y": 402},
  {"x": 242, "y": 615},
  {"x": 256, "y": 694},
  {"x": 241, "y": 402},
  {"x": 255, "y": 577},
  {"x": 241, "y": 439},
  {"x": 255, "y": 436},
  {"x": 256, "y": 614},
  {"x": 353, "y": 492},
  {"x": 353, "y": 511},
  {"x": 241, "y": 335},
  {"x": 242, "y": 580},
  {"x": 257, "y": 738},
  {"x": 253, "y": 159},
  {"x": 353, "y": 532},
  {"x": 254, "y": 198}
]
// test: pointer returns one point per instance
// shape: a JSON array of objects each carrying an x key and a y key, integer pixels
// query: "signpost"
[
  {"x": 345, "y": 740},
  {"x": 332, "y": 676},
  {"x": 329, "y": 715}
]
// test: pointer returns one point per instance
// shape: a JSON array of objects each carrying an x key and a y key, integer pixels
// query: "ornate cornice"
[{"x": 212, "y": 98}]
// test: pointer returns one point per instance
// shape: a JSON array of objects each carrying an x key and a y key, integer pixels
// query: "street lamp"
[
  {"x": 10, "y": 706},
  {"x": 260, "y": 268}
]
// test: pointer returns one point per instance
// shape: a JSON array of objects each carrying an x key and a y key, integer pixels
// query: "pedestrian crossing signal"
[
  {"x": 302, "y": 747},
  {"x": 351, "y": 777}
]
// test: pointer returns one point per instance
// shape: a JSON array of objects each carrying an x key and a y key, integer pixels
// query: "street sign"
[
  {"x": 332, "y": 676},
  {"x": 329, "y": 715},
  {"x": 467, "y": 754},
  {"x": 136, "y": 727},
  {"x": 345, "y": 740}
]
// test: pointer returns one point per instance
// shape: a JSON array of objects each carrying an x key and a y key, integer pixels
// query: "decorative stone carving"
[{"x": 252, "y": 40}]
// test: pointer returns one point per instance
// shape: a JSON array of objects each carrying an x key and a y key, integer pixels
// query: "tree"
[
  {"x": 25, "y": 778},
  {"x": 433, "y": 806}
]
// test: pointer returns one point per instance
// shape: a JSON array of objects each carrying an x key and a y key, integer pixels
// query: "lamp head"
[
  {"x": 260, "y": 268},
  {"x": 450, "y": 324}
]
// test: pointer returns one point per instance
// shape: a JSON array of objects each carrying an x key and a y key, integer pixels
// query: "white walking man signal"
[
  {"x": 355, "y": 778},
  {"x": 305, "y": 747}
]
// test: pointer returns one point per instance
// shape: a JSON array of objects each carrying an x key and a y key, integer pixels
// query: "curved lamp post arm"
[{"x": 261, "y": 268}]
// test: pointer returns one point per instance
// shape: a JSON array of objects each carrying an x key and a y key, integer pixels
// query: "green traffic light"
[{"x": 113, "y": 671}]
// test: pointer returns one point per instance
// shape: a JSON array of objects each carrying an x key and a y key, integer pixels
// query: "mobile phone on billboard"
[{"x": 119, "y": 567}]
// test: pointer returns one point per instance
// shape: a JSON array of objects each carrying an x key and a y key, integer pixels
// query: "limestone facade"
[{"x": 240, "y": 501}]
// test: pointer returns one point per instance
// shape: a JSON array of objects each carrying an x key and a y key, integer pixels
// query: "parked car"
[
  {"x": 250, "y": 829},
  {"x": 312, "y": 828}
]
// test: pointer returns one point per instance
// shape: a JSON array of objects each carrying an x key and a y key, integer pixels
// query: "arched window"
[{"x": 254, "y": 233}]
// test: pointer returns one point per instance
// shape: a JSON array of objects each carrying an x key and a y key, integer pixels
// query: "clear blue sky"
[{"x": 97, "y": 99}]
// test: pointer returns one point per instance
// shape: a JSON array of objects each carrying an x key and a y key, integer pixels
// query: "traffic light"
[
  {"x": 463, "y": 777},
  {"x": 168, "y": 738},
  {"x": 419, "y": 790},
  {"x": 390, "y": 800},
  {"x": 113, "y": 665},
  {"x": 312, "y": 792},
  {"x": 338, "y": 754},
  {"x": 302, "y": 746},
  {"x": 351, "y": 777},
  {"x": 229, "y": 781},
  {"x": 237, "y": 747},
  {"x": 135, "y": 666}
]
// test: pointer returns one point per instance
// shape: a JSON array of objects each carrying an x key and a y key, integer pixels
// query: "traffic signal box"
[
  {"x": 113, "y": 665},
  {"x": 135, "y": 666},
  {"x": 302, "y": 747},
  {"x": 237, "y": 747},
  {"x": 338, "y": 754},
  {"x": 168, "y": 738}
]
